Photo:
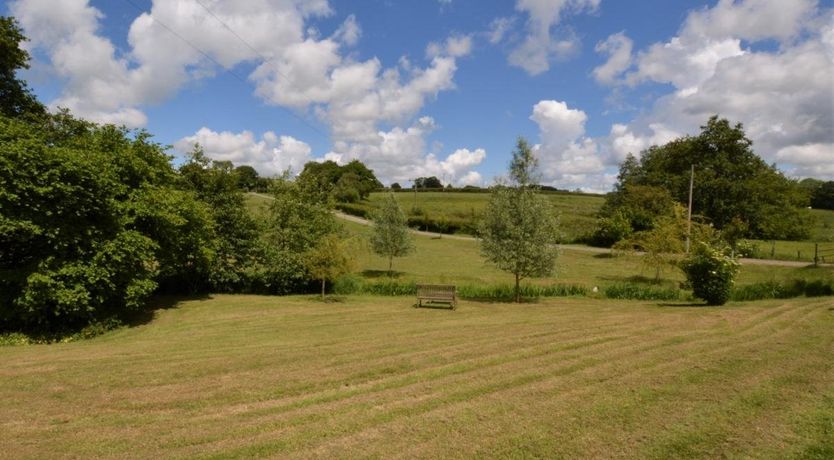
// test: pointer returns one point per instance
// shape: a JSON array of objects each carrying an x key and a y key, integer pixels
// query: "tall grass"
[{"x": 784, "y": 290}]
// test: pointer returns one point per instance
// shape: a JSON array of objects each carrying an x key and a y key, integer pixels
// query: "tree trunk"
[
  {"x": 517, "y": 289},
  {"x": 323, "y": 281},
  {"x": 390, "y": 266}
]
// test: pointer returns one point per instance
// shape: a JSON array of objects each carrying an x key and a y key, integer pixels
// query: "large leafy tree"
[
  {"x": 390, "y": 236},
  {"x": 731, "y": 182},
  {"x": 15, "y": 97},
  {"x": 348, "y": 183},
  {"x": 90, "y": 220},
  {"x": 519, "y": 231}
]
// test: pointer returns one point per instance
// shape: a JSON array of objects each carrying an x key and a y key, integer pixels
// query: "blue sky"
[{"x": 443, "y": 88}]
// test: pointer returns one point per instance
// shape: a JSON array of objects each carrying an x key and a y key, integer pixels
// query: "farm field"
[
  {"x": 452, "y": 260},
  {"x": 248, "y": 376},
  {"x": 578, "y": 217}
]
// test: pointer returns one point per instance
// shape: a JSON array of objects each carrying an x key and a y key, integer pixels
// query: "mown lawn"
[{"x": 248, "y": 376}]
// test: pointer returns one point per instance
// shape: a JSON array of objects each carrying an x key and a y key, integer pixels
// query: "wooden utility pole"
[{"x": 689, "y": 217}]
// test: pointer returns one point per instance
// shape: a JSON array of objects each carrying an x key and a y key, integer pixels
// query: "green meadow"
[{"x": 231, "y": 376}]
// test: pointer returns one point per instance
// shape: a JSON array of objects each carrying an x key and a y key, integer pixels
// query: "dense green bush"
[{"x": 711, "y": 274}]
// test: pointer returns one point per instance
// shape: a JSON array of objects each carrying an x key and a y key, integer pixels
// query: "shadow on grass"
[
  {"x": 524, "y": 300},
  {"x": 159, "y": 302},
  {"x": 684, "y": 304},
  {"x": 605, "y": 255},
  {"x": 434, "y": 307}
]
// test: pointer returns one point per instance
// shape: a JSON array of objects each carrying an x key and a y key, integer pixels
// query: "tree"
[
  {"x": 90, "y": 223},
  {"x": 331, "y": 257},
  {"x": 731, "y": 182},
  {"x": 247, "y": 178},
  {"x": 519, "y": 231},
  {"x": 396, "y": 186},
  {"x": 15, "y": 97},
  {"x": 390, "y": 236},
  {"x": 428, "y": 182},
  {"x": 349, "y": 183},
  {"x": 823, "y": 196},
  {"x": 661, "y": 245},
  {"x": 297, "y": 219}
]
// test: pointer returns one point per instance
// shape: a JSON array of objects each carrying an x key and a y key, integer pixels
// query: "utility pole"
[{"x": 689, "y": 217}]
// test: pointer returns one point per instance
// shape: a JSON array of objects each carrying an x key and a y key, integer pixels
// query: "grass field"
[
  {"x": 247, "y": 376},
  {"x": 577, "y": 211},
  {"x": 449, "y": 260}
]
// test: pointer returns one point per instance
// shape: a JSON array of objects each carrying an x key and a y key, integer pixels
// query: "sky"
[{"x": 442, "y": 87}]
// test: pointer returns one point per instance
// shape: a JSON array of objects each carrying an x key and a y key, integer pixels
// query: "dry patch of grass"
[{"x": 244, "y": 376}]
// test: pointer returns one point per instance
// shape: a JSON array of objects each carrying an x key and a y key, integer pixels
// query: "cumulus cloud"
[
  {"x": 498, "y": 28},
  {"x": 567, "y": 157},
  {"x": 295, "y": 67},
  {"x": 618, "y": 47},
  {"x": 270, "y": 155},
  {"x": 400, "y": 155},
  {"x": 782, "y": 95},
  {"x": 543, "y": 43}
]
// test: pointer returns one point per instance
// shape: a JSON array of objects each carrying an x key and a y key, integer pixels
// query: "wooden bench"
[{"x": 436, "y": 294}]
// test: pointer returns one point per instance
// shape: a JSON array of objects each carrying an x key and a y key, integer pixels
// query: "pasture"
[{"x": 248, "y": 376}]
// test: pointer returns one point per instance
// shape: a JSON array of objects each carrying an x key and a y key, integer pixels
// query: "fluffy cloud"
[
  {"x": 542, "y": 43},
  {"x": 104, "y": 86},
  {"x": 783, "y": 96},
  {"x": 294, "y": 67},
  {"x": 618, "y": 47},
  {"x": 567, "y": 157},
  {"x": 271, "y": 155},
  {"x": 400, "y": 155}
]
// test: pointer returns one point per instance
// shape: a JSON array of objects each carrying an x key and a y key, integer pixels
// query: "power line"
[{"x": 229, "y": 70}]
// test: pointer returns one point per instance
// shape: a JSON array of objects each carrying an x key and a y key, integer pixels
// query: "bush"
[
  {"x": 776, "y": 290},
  {"x": 610, "y": 230},
  {"x": 628, "y": 291},
  {"x": 711, "y": 274}
]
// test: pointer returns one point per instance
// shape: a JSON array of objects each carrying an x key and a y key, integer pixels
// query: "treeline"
[
  {"x": 94, "y": 219},
  {"x": 733, "y": 190}
]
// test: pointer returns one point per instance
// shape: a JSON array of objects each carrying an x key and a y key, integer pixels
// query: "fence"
[{"x": 823, "y": 252}]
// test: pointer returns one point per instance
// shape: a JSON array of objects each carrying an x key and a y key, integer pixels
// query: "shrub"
[
  {"x": 629, "y": 291},
  {"x": 711, "y": 274}
]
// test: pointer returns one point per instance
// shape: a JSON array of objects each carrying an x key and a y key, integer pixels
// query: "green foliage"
[
  {"x": 631, "y": 291},
  {"x": 519, "y": 230},
  {"x": 390, "y": 236},
  {"x": 524, "y": 165},
  {"x": 427, "y": 183},
  {"x": 784, "y": 290},
  {"x": 296, "y": 221},
  {"x": 711, "y": 273},
  {"x": 331, "y": 257},
  {"x": 15, "y": 97},
  {"x": 247, "y": 178},
  {"x": 233, "y": 232},
  {"x": 610, "y": 230},
  {"x": 661, "y": 245},
  {"x": 78, "y": 222},
  {"x": 731, "y": 182},
  {"x": 823, "y": 196},
  {"x": 349, "y": 183}
]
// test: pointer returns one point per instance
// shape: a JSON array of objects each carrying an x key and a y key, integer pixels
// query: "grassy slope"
[
  {"x": 577, "y": 211},
  {"x": 448, "y": 260},
  {"x": 244, "y": 376}
]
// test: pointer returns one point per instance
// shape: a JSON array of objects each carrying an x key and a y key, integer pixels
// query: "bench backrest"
[{"x": 442, "y": 290}]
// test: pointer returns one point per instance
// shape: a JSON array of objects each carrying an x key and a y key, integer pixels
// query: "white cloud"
[
  {"x": 106, "y": 86},
  {"x": 498, "y": 28},
  {"x": 782, "y": 95},
  {"x": 454, "y": 46},
  {"x": 567, "y": 157},
  {"x": 542, "y": 43},
  {"x": 270, "y": 156},
  {"x": 618, "y": 47},
  {"x": 295, "y": 68}
]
